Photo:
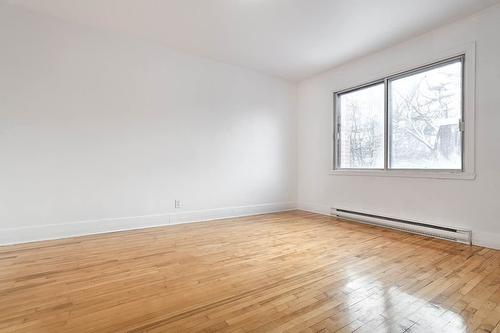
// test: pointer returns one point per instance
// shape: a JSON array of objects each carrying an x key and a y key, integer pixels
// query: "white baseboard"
[
  {"x": 314, "y": 208},
  {"x": 486, "y": 239},
  {"x": 89, "y": 227}
]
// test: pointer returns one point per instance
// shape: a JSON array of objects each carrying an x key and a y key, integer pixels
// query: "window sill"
[{"x": 432, "y": 174}]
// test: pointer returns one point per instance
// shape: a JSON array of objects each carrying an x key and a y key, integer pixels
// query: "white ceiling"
[{"x": 292, "y": 39}]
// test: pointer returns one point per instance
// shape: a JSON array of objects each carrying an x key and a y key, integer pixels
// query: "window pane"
[
  {"x": 424, "y": 114},
  {"x": 361, "y": 117}
]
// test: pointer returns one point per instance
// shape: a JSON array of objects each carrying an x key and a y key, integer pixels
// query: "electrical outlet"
[{"x": 177, "y": 204}]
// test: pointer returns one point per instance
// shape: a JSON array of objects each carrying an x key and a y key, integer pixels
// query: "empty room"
[{"x": 249, "y": 166}]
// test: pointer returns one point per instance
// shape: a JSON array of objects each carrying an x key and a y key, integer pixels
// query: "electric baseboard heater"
[{"x": 438, "y": 231}]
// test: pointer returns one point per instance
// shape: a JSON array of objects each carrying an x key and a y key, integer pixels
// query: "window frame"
[{"x": 465, "y": 54}]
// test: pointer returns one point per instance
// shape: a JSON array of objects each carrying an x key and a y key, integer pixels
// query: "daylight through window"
[{"x": 411, "y": 121}]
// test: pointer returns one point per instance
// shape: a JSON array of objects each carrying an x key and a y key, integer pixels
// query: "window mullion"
[{"x": 386, "y": 124}]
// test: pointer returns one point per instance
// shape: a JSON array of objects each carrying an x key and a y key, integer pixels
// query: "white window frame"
[{"x": 468, "y": 93}]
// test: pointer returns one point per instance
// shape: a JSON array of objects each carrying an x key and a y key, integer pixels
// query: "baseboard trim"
[
  {"x": 486, "y": 239},
  {"x": 480, "y": 238},
  {"x": 314, "y": 208},
  {"x": 10, "y": 236}
]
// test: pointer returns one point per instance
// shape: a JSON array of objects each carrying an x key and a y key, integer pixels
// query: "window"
[
  {"x": 361, "y": 138},
  {"x": 409, "y": 121}
]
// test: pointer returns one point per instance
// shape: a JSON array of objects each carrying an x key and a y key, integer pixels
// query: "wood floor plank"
[{"x": 283, "y": 272}]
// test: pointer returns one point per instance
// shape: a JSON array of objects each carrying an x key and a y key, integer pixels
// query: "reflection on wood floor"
[{"x": 292, "y": 271}]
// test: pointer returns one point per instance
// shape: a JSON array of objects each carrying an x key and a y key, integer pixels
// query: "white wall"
[
  {"x": 100, "y": 132},
  {"x": 470, "y": 203}
]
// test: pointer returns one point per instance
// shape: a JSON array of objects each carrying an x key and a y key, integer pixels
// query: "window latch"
[{"x": 461, "y": 126}]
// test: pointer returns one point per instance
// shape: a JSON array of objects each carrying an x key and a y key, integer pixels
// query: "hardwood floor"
[{"x": 293, "y": 271}]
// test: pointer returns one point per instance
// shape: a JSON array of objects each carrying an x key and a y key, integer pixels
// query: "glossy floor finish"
[{"x": 293, "y": 271}]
